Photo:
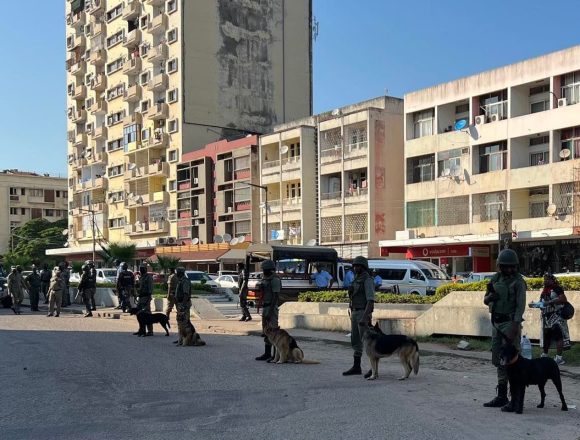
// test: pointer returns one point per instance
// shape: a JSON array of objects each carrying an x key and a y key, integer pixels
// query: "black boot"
[
  {"x": 500, "y": 400},
  {"x": 355, "y": 369},
  {"x": 242, "y": 319},
  {"x": 267, "y": 353}
]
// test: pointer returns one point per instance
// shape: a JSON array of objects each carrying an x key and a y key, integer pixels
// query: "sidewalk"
[{"x": 234, "y": 327}]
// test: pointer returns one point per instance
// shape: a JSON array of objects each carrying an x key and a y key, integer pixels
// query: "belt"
[{"x": 499, "y": 318}]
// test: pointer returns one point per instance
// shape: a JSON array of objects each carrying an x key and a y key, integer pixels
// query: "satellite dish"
[
  {"x": 218, "y": 239},
  {"x": 284, "y": 149},
  {"x": 311, "y": 242},
  {"x": 195, "y": 241},
  {"x": 446, "y": 172},
  {"x": 227, "y": 237},
  {"x": 461, "y": 124},
  {"x": 241, "y": 238},
  {"x": 551, "y": 209},
  {"x": 65, "y": 232},
  {"x": 234, "y": 242},
  {"x": 131, "y": 166},
  {"x": 565, "y": 153}
]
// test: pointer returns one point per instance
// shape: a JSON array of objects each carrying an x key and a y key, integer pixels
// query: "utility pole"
[{"x": 265, "y": 189}]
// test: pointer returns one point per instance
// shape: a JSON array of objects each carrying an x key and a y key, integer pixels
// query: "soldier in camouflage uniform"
[
  {"x": 506, "y": 298},
  {"x": 271, "y": 285},
  {"x": 33, "y": 286},
  {"x": 182, "y": 297},
  {"x": 171, "y": 284},
  {"x": 144, "y": 293},
  {"x": 16, "y": 288},
  {"x": 87, "y": 289}
]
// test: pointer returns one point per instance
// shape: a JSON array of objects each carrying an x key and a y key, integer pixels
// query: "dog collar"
[{"x": 514, "y": 360}]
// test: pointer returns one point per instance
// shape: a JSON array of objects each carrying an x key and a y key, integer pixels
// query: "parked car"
[
  {"x": 410, "y": 276},
  {"x": 228, "y": 282},
  {"x": 3, "y": 284},
  {"x": 478, "y": 276},
  {"x": 199, "y": 277}
]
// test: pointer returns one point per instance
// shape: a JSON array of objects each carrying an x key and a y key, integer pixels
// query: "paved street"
[{"x": 75, "y": 378}]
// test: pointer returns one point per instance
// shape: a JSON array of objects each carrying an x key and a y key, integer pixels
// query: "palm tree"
[
  {"x": 163, "y": 264},
  {"x": 120, "y": 251}
]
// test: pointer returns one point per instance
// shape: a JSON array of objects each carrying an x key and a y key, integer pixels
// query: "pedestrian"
[
  {"x": 144, "y": 293},
  {"x": 270, "y": 286},
  {"x": 362, "y": 302},
  {"x": 16, "y": 288},
  {"x": 55, "y": 290},
  {"x": 171, "y": 285},
  {"x": 33, "y": 285},
  {"x": 125, "y": 287},
  {"x": 243, "y": 278},
  {"x": 348, "y": 278},
  {"x": 85, "y": 289},
  {"x": 322, "y": 279},
  {"x": 506, "y": 299},
  {"x": 553, "y": 299},
  {"x": 65, "y": 275},
  {"x": 377, "y": 280},
  {"x": 45, "y": 276}
]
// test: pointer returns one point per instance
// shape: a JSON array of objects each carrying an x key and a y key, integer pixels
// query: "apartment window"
[
  {"x": 89, "y": 102},
  {"x": 172, "y": 36},
  {"x": 421, "y": 169},
  {"x": 491, "y": 204},
  {"x": 449, "y": 161},
  {"x": 114, "y": 66},
  {"x": 242, "y": 163},
  {"x": 145, "y": 134},
  {"x": 70, "y": 89},
  {"x": 538, "y": 90},
  {"x": 570, "y": 140},
  {"x": 49, "y": 212},
  {"x": 144, "y": 78},
  {"x": 115, "y": 171},
  {"x": 172, "y": 155},
  {"x": 145, "y": 106},
  {"x": 115, "y": 145},
  {"x": 57, "y": 193},
  {"x": 130, "y": 134},
  {"x": 571, "y": 87},
  {"x": 172, "y": 96},
  {"x": 172, "y": 65},
  {"x": 13, "y": 211},
  {"x": 294, "y": 150},
  {"x": 293, "y": 190},
  {"x": 144, "y": 21},
  {"x": 171, "y": 6},
  {"x": 115, "y": 92},
  {"x": 423, "y": 123},
  {"x": 462, "y": 108},
  {"x": 540, "y": 106},
  {"x": 540, "y": 158},
  {"x": 358, "y": 135},
  {"x": 494, "y": 104},
  {"x": 36, "y": 193},
  {"x": 115, "y": 39},
  {"x": 23, "y": 191},
  {"x": 492, "y": 157},
  {"x": 172, "y": 185},
  {"x": 115, "y": 118},
  {"x": 13, "y": 191},
  {"x": 114, "y": 13},
  {"x": 421, "y": 213},
  {"x": 117, "y": 222},
  {"x": 172, "y": 126},
  {"x": 65, "y": 194}
]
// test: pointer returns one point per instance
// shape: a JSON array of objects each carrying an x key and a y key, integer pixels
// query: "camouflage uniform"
[
  {"x": 65, "y": 275},
  {"x": 86, "y": 289},
  {"x": 171, "y": 285},
  {"x": 33, "y": 284},
  {"x": 271, "y": 287},
  {"x": 16, "y": 289},
  {"x": 183, "y": 298},
  {"x": 125, "y": 287},
  {"x": 55, "y": 290}
]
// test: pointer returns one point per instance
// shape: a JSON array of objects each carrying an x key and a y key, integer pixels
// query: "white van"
[{"x": 410, "y": 276}]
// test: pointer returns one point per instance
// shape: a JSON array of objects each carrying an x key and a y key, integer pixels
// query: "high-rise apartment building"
[
  {"x": 506, "y": 139},
  {"x": 150, "y": 80},
  {"x": 28, "y": 196}
]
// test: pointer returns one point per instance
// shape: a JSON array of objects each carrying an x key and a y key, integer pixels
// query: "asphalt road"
[{"x": 75, "y": 378}]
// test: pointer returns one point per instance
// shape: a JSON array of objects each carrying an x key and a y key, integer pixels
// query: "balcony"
[
  {"x": 158, "y": 24},
  {"x": 357, "y": 149},
  {"x": 293, "y": 203},
  {"x": 78, "y": 68},
  {"x": 74, "y": 41},
  {"x": 158, "y": 169},
  {"x": 99, "y": 83},
  {"x": 95, "y": 158},
  {"x": 132, "y": 66},
  {"x": 158, "y": 83},
  {"x": 97, "y": 7},
  {"x": 158, "y": 53},
  {"x": 330, "y": 155},
  {"x": 80, "y": 92},
  {"x": 98, "y": 107},
  {"x": 98, "y": 28},
  {"x": 151, "y": 227},
  {"x": 356, "y": 195},
  {"x": 79, "y": 116},
  {"x": 331, "y": 198},
  {"x": 97, "y": 57},
  {"x": 76, "y": 20},
  {"x": 133, "y": 39},
  {"x": 133, "y": 119},
  {"x": 80, "y": 140},
  {"x": 133, "y": 93},
  {"x": 291, "y": 163},
  {"x": 159, "y": 111},
  {"x": 131, "y": 10},
  {"x": 100, "y": 133},
  {"x": 154, "y": 2},
  {"x": 159, "y": 140}
]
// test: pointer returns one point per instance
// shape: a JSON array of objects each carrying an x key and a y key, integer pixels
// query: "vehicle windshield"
[
  {"x": 198, "y": 276},
  {"x": 110, "y": 273},
  {"x": 435, "y": 274}
]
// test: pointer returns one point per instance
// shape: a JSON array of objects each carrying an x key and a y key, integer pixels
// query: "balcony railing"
[
  {"x": 96, "y": 7},
  {"x": 331, "y": 238},
  {"x": 133, "y": 93},
  {"x": 356, "y": 149},
  {"x": 292, "y": 203},
  {"x": 98, "y": 106},
  {"x": 356, "y": 193},
  {"x": 131, "y": 10},
  {"x": 132, "y": 66},
  {"x": 79, "y": 116},
  {"x": 290, "y": 163},
  {"x": 99, "y": 83},
  {"x": 158, "y": 24},
  {"x": 97, "y": 57},
  {"x": 80, "y": 92},
  {"x": 159, "y": 111},
  {"x": 356, "y": 236},
  {"x": 331, "y": 154},
  {"x": 100, "y": 133},
  {"x": 497, "y": 108},
  {"x": 79, "y": 68},
  {"x": 158, "y": 82},
  {"x": 158, "y": 53},
  {"x": 336, "y": 195},
  {"x": 133, "y": 38},
  {"x": 270, "y": 167}
]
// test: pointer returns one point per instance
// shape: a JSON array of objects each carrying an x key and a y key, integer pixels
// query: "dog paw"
[{"x": 372, "y": 378}]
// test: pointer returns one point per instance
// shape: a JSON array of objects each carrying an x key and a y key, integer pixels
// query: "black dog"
[
  {"x": 523, "y": 372},
  {"x": 148, "y": 319}
]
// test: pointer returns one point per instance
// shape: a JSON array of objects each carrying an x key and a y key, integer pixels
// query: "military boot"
[
  {"x": 500, "y": 400},
  {"x": 267, "y": 353},
  {"x": 355, "y": 369}
]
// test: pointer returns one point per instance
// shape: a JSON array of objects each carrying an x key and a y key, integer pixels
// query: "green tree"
[
  {"x": 163, "y": 264},
  {"x": 124, "y": 252}
]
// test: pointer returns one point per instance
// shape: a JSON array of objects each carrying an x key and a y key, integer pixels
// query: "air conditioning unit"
[
  {"x": 480, "y": 120},
  {"x": 195, "y": 180},
  {"x": 495, "y": 118},
  {"x": 196, "y": 223},
  {"x": 161, "y": 241},
  {"x": 562, "y": 102},
  {"x": 195, "y": 212},
  {"x": 230, "y": 209},
  {"x": 171, "y": 240}
]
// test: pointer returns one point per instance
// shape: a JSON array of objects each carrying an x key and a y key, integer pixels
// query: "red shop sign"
[{"x": 460, "y": 250}]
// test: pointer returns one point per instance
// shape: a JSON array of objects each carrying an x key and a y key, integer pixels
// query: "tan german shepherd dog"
[
  {"x": 377, "y": 345},
  {"x": 287, "y": 349},
  {"x": 187, "y": 334}
]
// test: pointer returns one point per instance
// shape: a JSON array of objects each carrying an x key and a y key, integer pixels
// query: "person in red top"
[{"x": 553, "y": 297}]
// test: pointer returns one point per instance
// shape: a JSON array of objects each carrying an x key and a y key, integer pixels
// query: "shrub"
[{"x": 341, "y": 296}]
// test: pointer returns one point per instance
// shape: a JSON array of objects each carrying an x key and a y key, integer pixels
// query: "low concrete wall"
[{"x": 334, "y": 316}]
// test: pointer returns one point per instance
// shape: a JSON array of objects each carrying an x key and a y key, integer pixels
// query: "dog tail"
[{"x": 415, "y": 360}]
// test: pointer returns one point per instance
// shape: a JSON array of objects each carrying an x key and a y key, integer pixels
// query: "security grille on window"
[
  {"x": 36, "y": 193},
  {"x": 488, "y": 205},
  {"x": 420, "y": 213},
  {"x": 331, "y": 229},
  {"x": 423, "y": 123}
]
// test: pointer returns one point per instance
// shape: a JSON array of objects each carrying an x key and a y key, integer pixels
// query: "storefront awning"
[
  {"x": 195, "y": 257},
  {"x": 233, "y": 256}
]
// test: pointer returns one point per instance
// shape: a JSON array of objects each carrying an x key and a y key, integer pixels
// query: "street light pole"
[
  {"x": 265, "y": 189},
  {"x": 93, "y": 227}
]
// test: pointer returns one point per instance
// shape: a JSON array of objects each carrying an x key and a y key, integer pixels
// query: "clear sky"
[{"x": 364, "y": 48}]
